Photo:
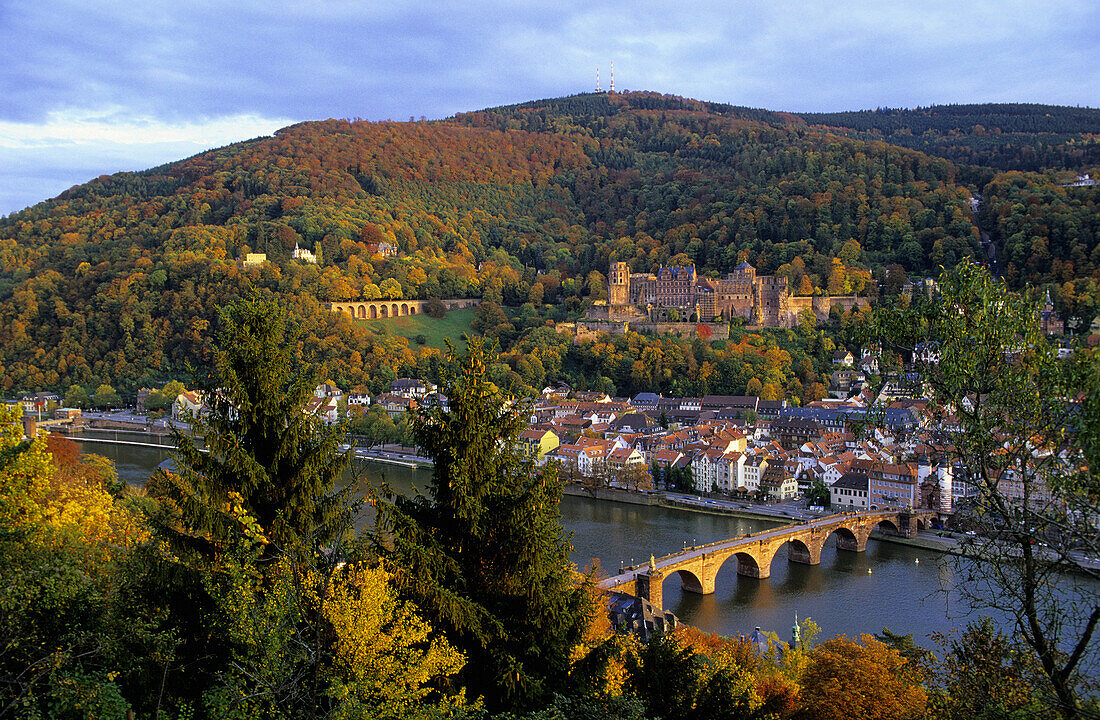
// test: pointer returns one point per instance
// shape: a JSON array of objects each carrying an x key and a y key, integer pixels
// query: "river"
[{"x": 908, "y": 590}]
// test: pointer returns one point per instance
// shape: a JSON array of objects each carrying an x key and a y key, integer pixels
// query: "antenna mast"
[
  {"x": 598, "y": 80},
  {"x": 612, "y": 76}
]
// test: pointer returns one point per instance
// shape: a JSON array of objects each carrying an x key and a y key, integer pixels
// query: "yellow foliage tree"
[
  {"x": 24, "y": 472},
  {"x": 864, "y": 680},
  {"x": 385, "y": 659}
]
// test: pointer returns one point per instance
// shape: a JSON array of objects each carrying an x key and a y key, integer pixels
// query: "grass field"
[{"x": 434, "y": 331}]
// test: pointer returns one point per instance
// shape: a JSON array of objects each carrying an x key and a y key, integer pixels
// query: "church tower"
[{"x": 618, "y": 284}]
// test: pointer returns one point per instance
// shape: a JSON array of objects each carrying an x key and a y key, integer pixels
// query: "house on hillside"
[
  {"x": 843, "y": 358},
  {"x": 412, "y": 388},
  {"x": 326, "y": 409},
  {"x": 328, "y": 389}
]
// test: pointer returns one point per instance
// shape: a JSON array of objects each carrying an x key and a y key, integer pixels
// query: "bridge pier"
[
  {"x": 801, "y": 553},
  {"x": 855, "y": 543},
  {"x": 746, "y": 569}
]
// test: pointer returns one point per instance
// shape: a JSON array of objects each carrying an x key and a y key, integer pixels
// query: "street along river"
[{"x": 908, "y": 590}]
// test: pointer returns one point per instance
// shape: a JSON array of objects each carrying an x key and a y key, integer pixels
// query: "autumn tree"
[
  {"x": 471, "y": 550},
  {"x": 860, "y": 680},
  {"x": 67, "y": 534}
]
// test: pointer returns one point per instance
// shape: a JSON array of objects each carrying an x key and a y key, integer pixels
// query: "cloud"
[
  {"x": 162, "y": 64},
  {"x": 41, "y": 160}
]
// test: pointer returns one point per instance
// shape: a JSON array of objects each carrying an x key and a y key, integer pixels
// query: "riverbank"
[{"x": 612, "y": 495}]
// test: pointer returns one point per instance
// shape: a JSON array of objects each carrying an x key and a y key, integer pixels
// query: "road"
[{"x": 786, "y": 510}]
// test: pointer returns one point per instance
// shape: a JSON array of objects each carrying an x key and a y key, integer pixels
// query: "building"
[
  {"x": 188, "y": 402},
  {"x": 536, "y": 444},
  {"x": 303, "y": 255},
  {"x": 1050, "y": 322},
  {"x": 852, "y": 490},
  {"x": 359, "y": 398},
  {"x": 677, "y": 293},
  {"x": 715, "y": 470},
  {"x": 254, "y": 259},
  {"x": 778, "y": 483}
]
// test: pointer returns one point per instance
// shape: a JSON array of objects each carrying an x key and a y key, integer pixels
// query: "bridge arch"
[
  {"x": 846, "y": 539},
  {"x": 800, "y": 552},
  {"x": 689, "y": 581},
  {"x": 373, "y": 312},
  {"x": 888, "y": 526},
  {"x": 749, "y": 564},
  {"x": 395, "y": 309}
]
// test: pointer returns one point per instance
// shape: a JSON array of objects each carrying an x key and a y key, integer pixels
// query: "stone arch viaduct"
[
  {"x": 378, "y": 309},
  {"x": 698, "y": 566}
]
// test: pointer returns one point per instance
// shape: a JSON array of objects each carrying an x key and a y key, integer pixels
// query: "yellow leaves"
[
  {"x": 384, "y": 655},
  {"x": 24, "y": 472},
  {"x": 248, "y": 523}
]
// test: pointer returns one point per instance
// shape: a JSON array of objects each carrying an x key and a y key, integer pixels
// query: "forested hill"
[
  {"x": 1014, "y": 136},
  {"x": 119, "y": 280}
]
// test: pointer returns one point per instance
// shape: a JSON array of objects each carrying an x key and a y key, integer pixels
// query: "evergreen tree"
[
  {"x": 484, "y": 552},
  {"x": 255, "y": 445}
]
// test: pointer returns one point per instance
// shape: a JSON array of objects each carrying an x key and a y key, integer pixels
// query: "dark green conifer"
[
  {"x": 483, "y": 552},
  {"x": 256, "y": 438}
]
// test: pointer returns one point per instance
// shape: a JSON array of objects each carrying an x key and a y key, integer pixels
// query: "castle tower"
[{"x": 618, "y": 284}]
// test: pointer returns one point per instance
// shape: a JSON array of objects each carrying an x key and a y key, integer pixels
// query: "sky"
[{"x": 93, "y": 87}]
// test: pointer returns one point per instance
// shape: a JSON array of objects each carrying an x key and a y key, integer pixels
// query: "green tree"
[
  {"x": 472, "y": 550},
  {"x": 105, "y": 397},
  {"x": 390, "y": 289},
  {"x": 818, "y": 494},
  {"x": 1024, "y": 425},
  {"x": 76, "y": 397},
  {"x": 985, "y": 675},
  {"x": 256, "y": 442}
]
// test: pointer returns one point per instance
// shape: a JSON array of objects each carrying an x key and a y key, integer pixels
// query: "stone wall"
[
  {"x": 719, "y": 331},
  {"x": 822, "y": 304},
  {"x": 381, "y": 309}
]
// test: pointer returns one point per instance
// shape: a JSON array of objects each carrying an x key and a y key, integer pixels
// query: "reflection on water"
[{"x": 839, "y": 594}]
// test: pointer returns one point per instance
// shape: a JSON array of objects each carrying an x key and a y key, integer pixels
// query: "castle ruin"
[{"x": 678, "y": 292}]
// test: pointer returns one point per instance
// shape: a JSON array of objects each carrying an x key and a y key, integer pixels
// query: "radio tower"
[
  {"x": 612, "y": 76},
  {"x": 598, "y": 80}
]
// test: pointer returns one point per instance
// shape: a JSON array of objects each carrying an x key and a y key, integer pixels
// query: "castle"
[{"x": 679, "y": 293}]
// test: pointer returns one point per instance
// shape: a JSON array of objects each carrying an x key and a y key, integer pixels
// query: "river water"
[{"x": 907, "y": 590}]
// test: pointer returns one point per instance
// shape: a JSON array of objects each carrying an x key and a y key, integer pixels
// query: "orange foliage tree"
[{"x": 864, "y": 680}]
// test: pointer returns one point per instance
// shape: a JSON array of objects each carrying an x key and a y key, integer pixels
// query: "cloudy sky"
[{"x": 90, "y": 87}]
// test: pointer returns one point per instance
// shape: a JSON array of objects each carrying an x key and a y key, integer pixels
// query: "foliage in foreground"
[{"x": 112, "y": 601}]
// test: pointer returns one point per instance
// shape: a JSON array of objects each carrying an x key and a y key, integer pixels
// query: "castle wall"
[
  {"x": 719, "y": 331},
  {"x": 822, "y": 304}
]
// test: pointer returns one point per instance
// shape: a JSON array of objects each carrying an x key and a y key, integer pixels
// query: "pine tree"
[
  {"x": 255, "y": 447},
  {"x": 484, "y": 552}
]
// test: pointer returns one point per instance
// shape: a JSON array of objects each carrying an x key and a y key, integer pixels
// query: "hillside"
[
  {"x": 119, "y": 280},
  {"x": 1027, "y": 137}
]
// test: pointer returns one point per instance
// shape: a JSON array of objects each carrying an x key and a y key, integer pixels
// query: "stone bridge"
[
  {"x": 698, "y": 566},
  {"x": 378, "y": 309}
]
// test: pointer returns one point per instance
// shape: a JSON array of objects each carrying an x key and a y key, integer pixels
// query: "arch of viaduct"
[
  {"x": 378, "y": 309},
  {"x": 698, "y": 566}
]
